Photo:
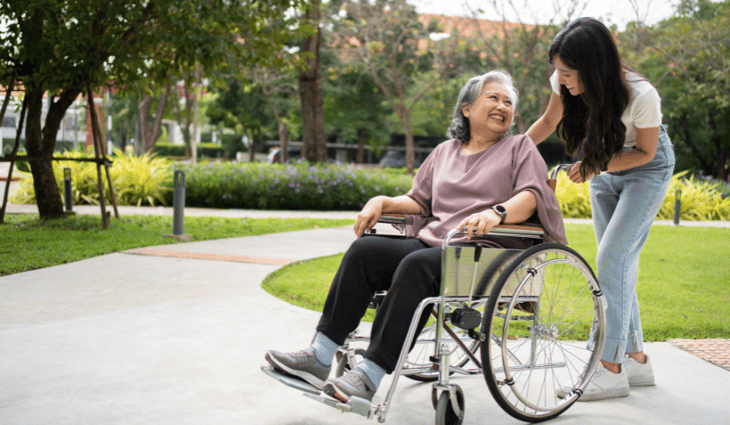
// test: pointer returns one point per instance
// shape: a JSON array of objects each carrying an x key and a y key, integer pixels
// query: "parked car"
[
  {"x": 397, "y": 159},
  {"x": 294, "y": 154}
]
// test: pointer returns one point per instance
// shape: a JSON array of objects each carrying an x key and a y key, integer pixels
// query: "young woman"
[{"x": 611, "y": 118}]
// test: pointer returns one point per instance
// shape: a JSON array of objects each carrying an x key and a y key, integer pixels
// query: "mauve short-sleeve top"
[{"x": 451, "y": 185}]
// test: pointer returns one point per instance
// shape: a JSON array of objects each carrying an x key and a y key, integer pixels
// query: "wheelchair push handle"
[{"x": 556, "y": 170}]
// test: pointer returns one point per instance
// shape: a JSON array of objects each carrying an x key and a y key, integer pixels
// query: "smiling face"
[
  {"x": 568, "y": 77},
  {"x": 491, "y": 112}
]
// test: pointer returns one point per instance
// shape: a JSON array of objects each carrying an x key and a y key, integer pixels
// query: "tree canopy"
[{"x": 66, "y": 47}]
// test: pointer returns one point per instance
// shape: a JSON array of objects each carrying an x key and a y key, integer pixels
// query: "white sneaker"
[
  {"x": 604, "y": 384},
  {"x": 640, "y": 375}
]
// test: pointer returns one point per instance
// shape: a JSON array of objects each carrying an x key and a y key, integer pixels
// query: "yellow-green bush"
[
  {"x": 137, "y": 180},
  {"x": 574, "y": 199},
  {"x": 700, "y": 200}
]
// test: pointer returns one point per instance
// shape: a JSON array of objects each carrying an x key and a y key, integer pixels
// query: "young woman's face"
[
  {"x": 568, "y": 77},
  {"x": 492, "y": 110}
]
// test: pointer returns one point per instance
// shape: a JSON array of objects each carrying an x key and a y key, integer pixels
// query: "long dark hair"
[{"x": 591, "y": 124}]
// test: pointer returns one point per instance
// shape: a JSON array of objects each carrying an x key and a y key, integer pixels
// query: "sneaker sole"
[
  {"x": 306, "y": 376},
  {"x": 605, "y": 395},
  {"x": 331, "y": 390},
  {"x": 646, "y": 381}
]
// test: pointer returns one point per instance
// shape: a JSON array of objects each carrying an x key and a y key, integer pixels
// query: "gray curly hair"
[{"x": 459, "y": 128}]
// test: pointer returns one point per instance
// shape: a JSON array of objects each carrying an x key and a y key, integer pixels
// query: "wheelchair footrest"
[
  {"x": 355, "y": 405},
  {"x": 290, "y": 381}
]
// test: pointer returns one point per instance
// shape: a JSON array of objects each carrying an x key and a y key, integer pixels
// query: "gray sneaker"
[
  {"x": 301, "y": 364},
  {"x": 353, "y": 383}
]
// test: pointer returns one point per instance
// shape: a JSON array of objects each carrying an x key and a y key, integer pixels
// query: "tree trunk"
[
  {"x": 150, "y": 132},
  {"x": 40, "y": 142},
  {"x": 717, "y": 143},
  {"x": 310, "y": 92},
  {"x": 410, "y": 146},
  {"x": 283, "y": 142},
  {"x": 361, "y": 146},
  {"x": 251, "y": 148}
]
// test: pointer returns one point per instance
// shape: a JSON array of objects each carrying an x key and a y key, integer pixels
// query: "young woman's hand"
[{"x": 574, "y": 174}]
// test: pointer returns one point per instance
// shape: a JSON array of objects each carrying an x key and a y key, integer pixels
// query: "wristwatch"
[{"x": 501, "y": 212}]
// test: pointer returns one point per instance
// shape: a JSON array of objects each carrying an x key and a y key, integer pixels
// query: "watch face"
[{"x": 501, "y": 211}]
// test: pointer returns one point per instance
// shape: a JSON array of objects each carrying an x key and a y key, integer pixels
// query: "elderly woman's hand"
[
  {"x": 369, "y": 215},
  {"x": 479, "y": 223}
]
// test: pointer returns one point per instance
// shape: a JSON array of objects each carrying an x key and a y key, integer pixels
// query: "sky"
[{"x": 618, "y": 12}]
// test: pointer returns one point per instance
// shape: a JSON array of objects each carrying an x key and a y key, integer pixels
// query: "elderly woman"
[{"x": 478, "y": 179}]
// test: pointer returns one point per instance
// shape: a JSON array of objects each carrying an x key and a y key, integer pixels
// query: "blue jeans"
[{"x": 624, "y": 204}]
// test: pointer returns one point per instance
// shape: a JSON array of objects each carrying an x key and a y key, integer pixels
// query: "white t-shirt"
[{"x": 644, "y": 109}]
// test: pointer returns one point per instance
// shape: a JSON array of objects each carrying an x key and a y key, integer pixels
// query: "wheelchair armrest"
[
  {"x": 407, "y": 225},
  {"x": 523, "y": 229},
  {"x": 392, "y": 219}
]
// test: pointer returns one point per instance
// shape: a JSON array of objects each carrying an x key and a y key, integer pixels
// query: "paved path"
[{"x": 146, "y": 339}]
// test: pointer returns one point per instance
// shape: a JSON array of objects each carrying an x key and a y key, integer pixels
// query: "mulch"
[
  {"x": 203, "y": 256},
  {"x": 715, "y": 351}
]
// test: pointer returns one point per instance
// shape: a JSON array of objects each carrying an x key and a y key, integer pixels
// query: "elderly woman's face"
[{"x": 492, "y": 111}]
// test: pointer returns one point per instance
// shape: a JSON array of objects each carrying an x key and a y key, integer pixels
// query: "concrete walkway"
[{"x": 143, "y": 339}]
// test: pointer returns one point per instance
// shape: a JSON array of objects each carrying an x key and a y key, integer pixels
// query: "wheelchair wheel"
[
  {"x": 445, "y": 412},
  {"x": 425, "y": 348},
  {"x": 544, "y": 327}
]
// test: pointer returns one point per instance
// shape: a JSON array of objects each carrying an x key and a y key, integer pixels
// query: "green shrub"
[
  {"x": 574, "y": 199},
  {"x": 700, "y": 200},
  {"x": 232, "y": 144},
  {"x": 147, "y": 180},
  {"x": 205, "y": 150},
  {"x": 169, "y": 149},
  {"x": 143, "y": 180},
  {"x": 210, "y": 150},
  {"x": 297, "y": 186}
]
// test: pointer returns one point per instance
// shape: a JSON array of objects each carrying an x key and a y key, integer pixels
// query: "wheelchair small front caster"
[{"x": 448, "y": 413}]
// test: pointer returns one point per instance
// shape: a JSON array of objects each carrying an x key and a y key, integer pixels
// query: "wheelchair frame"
[{"x": 527, "y": 296}]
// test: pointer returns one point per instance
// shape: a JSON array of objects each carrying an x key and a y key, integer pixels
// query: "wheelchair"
[{"x": 531, "y": 321}]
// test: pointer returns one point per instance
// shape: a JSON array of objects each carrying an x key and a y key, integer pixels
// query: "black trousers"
[{"x": 408, "y": 269}]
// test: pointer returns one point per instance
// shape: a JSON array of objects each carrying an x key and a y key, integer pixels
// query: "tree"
[
  {"x": 185, "y": 107},
  {"x": 277, "y": 87},
  {"x": 310, "y": 87},
  {"x": 150, "y": 125},
  {"x": 355, "y": 108},
  {"x": 393, "y": 46},
  {"x": 693, "y": 51},
  {"x": 66, "y": 48},
  {"x": 240, "y": 105}
]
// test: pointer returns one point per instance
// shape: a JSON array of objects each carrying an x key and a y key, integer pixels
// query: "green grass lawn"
[
  {"x": 27, "y": 243},
  {"x": 683, "y": 289}
]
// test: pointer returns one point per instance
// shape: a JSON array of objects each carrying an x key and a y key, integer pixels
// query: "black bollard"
[
  {"x": 67, "y": 189},
  {"x": 178, "y": 203},
  {"x": 677, "y": 206}
]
